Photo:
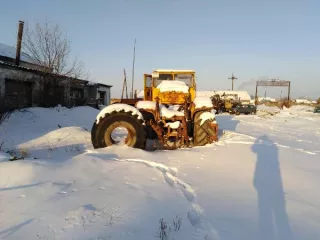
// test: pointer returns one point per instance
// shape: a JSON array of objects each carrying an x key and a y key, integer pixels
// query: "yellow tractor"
[{"x": 170, "y": 112}]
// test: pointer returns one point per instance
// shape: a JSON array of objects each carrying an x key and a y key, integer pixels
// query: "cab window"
[
  {"x": 186, "y": 78},
  {"x": 162, "y": 77}
]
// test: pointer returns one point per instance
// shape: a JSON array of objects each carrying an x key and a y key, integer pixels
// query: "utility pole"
[
  {"x": 134, "y": 58},
  {"x": 232, "y": 78},
  {"x": 124, "y": 86}
]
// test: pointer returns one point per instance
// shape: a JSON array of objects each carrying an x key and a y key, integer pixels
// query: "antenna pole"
[
  {"x": 134, "y": 58},
  {"x": 124, "y": 86}
]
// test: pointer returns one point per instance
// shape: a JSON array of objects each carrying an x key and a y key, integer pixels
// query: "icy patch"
[
  {"x": 173, "y": 85},
  {"x": 173, "y": 125},
  {"x": 165, "y": 112},
  {"x": 146, "y": 105},
  {"x": 207, "y": 116},
  {"x": 118, "y": 107},
  {"x": 200, "y": 102}
]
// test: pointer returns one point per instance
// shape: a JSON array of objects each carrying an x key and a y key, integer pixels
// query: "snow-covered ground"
[{"x": 260, "y": 181}]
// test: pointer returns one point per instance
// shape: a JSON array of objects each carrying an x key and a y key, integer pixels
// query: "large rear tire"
[
  {"x": 101, "y": 132},
  {"x": 202, "y": 133}
]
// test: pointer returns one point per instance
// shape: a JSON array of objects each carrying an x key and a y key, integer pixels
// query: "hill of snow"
[{"x": 259, "y": 181}]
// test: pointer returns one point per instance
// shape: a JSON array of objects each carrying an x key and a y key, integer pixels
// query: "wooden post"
[
  {"x": 256, "y": 95},
  {"x": 289, "y": 92}
]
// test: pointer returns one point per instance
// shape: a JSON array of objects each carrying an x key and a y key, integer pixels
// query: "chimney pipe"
[{"x": 19, "y": 41}]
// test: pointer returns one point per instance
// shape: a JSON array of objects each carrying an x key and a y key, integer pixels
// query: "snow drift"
[{"x": 260, "y": 180}]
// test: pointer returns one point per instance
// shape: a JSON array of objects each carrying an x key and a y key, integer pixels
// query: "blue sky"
[{"x": 252, "y": 38}]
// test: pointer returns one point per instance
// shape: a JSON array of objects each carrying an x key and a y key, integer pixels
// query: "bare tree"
[{"x": 48, "y": 46}]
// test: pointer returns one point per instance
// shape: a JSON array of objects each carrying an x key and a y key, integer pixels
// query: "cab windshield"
[{"x": 187, "y": 78}]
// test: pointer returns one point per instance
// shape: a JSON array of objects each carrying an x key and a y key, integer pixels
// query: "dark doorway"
[
  {"x": 18, "y": 94},
  {"x": 102, "y": 95}
]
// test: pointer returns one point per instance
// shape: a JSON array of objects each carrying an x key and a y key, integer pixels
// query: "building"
[{"x": 28, "y": 84}]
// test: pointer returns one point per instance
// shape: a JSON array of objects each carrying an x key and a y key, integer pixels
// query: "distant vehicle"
[
  {"x": 244, "y": 108},
  {"x": 316, "y": 109}
]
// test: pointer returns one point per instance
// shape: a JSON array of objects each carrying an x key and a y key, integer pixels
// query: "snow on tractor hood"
[{"x": 173, "y": 85}]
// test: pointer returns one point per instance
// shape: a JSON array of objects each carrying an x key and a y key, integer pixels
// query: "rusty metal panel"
[{"x": 172, "y": 97}]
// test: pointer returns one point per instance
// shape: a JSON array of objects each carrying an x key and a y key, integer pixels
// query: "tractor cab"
[{"x": 170, "y": 86}]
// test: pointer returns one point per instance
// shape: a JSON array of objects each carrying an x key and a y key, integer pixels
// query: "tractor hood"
[
  {"x": 173, "y": 86},
  {"x": 172, "y": 92}
]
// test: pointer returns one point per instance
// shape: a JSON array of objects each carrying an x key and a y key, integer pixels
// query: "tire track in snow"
[{"x": 196, "y": 214}]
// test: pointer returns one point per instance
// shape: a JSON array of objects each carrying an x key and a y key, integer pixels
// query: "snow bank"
[
  {"x": 118, "y": 107},
  {"x": 303, "y": 101},
  {"x": 48, "y": 132},
  {"x": 207, "y": 116},
  {"x": 301, "y": 108},
  {"x": 146, "y": 105},
  {"x": 169, "y": 113},
  {"x": 100, "y": 196},
  {"x": 271, "y": 109},
  {"x": 202, "y": 102},
  {"x": 173, "y": 125},
  {"x": 269, "y": 99},
  {"x": 173, "y": 85},
  {"x": 121, "y": 193}
]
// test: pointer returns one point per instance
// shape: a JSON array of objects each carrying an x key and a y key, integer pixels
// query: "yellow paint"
[{"x": 168, "y": 97}]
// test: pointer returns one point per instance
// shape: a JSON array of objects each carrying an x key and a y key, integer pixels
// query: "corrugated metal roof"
[{"x": 41, "y": 72}]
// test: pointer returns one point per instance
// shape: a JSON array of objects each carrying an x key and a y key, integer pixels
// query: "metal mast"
[{"x": 134, "y": 58}]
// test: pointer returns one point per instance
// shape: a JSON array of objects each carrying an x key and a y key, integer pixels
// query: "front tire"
[{"x": 101, "y": 132}]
